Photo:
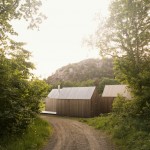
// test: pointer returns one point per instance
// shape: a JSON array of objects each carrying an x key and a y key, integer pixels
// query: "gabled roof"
[
  {"x": 54, "y": 94},
  {"x": 77, "y": 93},
  {"x": 114, "y": 90},
  {"x": 72, "y": 93}
]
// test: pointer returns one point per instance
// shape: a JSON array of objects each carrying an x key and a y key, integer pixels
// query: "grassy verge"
[
  {"x": 128, "y": 133},
  {"x": 33, "y": 139}
]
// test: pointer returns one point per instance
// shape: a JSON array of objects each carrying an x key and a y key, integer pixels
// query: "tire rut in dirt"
[{"x": 73, "y": 135}]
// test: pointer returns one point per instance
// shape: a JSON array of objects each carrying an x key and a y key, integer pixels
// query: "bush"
[
  {"x": 129, "y": 130},
  {"x": 32, "y": 139},
  {"x": 20, "y": 96}
]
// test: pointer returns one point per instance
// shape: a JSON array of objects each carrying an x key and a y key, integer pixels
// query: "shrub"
[
  {"x": 20, "y": 96},
  {"x": 32, "y": 139}
]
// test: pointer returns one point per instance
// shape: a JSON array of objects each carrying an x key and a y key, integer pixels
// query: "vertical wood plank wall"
[
  {"x": 80, "y": 108},
  {"x": 106, "y": 104},
  {"x": 74, "y": 108},
  {"x": 50, "y": 105},
  {"x": 95, "y": 104}
]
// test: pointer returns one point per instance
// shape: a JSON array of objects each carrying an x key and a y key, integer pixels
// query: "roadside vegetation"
[
  {"x": 21, "y": 93},
  {"x": 129, "y": 132},
  {"x": 33, "y": 138}
]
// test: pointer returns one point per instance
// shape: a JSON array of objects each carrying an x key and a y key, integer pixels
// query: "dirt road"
[{"x": 70, "y": 134}]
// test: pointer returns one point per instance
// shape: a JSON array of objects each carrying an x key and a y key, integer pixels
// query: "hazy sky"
[{"x": 59, "y": 41}]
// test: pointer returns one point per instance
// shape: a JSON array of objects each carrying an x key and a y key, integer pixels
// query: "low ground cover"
[{"x": 32, "y": 139}]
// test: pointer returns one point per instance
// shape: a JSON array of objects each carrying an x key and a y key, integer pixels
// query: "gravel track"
[{"x": 70, "y": 134}]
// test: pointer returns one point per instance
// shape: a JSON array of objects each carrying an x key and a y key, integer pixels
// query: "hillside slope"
[{"x": 89, "y": 69}]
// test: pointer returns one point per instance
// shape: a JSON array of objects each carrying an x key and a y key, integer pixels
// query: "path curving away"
[{"x": 70, "y": 134}]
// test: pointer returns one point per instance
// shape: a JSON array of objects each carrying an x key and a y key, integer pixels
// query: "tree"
[
  {"x": 38, "y": 91},
  {"x": 106, "y": 81},
  {"x": 20, "y": 96},
  {"x": 126, "y": 37},
  {"x": 17, "y": 9},
  {"x": 19, "y": 104}
]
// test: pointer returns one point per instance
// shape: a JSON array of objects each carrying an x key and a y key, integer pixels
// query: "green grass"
[
  {"x": 97, "y": 122},
  {"x": 33, "y": 139},
  {"x": 127, "y": 134}
]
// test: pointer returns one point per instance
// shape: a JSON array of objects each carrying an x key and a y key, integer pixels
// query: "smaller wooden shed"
[{"x": 110, "y": 92}]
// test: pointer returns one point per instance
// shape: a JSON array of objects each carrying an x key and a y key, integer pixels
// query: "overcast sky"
[{"x": 59, "y": 41}]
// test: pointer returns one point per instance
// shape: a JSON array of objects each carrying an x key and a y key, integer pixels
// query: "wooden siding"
[
  {"x": 106, "y": 104},
  {"x": 79, "y": 107},
  {"x": 95, "y": 104},
  {"x": 50, "y": 104},
  {"x": 74, "y": 108}
]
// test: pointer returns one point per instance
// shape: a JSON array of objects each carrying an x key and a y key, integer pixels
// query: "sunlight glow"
[{"x": 59, "y": 41}]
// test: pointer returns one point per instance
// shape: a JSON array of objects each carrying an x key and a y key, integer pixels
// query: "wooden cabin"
[
  {"x": 74, "y": 102},
  {"x": 110, "y": 92}
]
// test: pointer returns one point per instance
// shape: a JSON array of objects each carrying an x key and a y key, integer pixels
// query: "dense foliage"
[
  {"x": 127, "y": 131},
  {"x": 125, "y": 35},
  {"x": 34, "y": 138},
  {"x": 20, "y": 92},
  {"x": 20, "y": 96},
  {"x": 106, "y": 81}
]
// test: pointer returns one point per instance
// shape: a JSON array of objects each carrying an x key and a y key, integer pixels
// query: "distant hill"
[{"x": 89, "y": 69}]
